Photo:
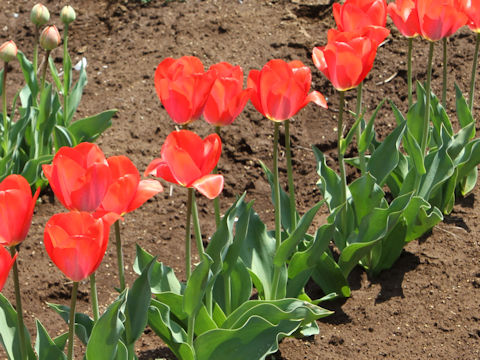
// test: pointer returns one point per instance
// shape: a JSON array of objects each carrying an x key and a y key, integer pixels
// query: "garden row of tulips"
[{"x": 213, "y": 313}]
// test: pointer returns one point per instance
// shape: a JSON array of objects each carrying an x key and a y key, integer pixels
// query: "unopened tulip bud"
[
  {"x": 67, "y": 15},
  {"x": 50, "y": 38},
  {"x": 39, "y": 15},
  {"x": 8, "y": 51}
]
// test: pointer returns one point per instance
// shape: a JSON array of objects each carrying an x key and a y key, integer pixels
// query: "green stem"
[
  {"x": 474, "y": 73},
  {"x": 196, "y": 225},
  {"x": 361, "y": 154},
  {"x": 71, "y": 321},
  {"x": 188, "y": 249},
  {"x": 18, "y": 299},
  {"x": 65, "y": 77},
  {"x": 216, "y": 201},
  {"x": 44, "y": 70},
  {"x": 291, "y": 185},
  {"x": 35, "y": 50},
  {"x": 118, "y": 243},
  {"x": 409, "y": 71},
  {"x": 4, "y": 108},
  {"x": 278, "y": 218},
  {"x": 341, "y": 162},
  {"x": 94, "y": 297},
  {"x": 191, "y": 329},
  {"x": 444, "y": 87},
  {"x": 227, "y": 284}
]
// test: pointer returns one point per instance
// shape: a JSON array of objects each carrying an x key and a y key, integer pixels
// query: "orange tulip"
[
  {"x": 281, "y": 89},
  {"x": 16, "y": 209},
  {"x": 405, "y": 17},
  {"x": 79, "y": 176},
  {"x": 471, "y": 8},
  {"x": 354, "y": 15},
  {"x": 6, "y": 263},
  {"x": 126, "y": 191},
  {"x": 439, "y": 19},
  {"x": 183, "y": 87},
  {"x": 348, "y": 56},
  {"x": 76, "y": 242},
  {"x": 227, "y": 97},
  {"x": 188, "y": 160}
]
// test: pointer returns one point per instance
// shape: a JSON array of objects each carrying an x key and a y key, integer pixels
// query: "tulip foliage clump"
[{"x": 249, "y": 284}]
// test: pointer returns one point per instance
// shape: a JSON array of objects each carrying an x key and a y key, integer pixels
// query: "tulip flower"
[
  {"x": 187, "y": 160},
  {"x": 39, "y": 14},
  {"x": 354, "y": 15},
  {"x": 8, "y": 51},
  {"x": 348, "y": 56},
  {"x": 439, "y": 19},
  {"x": 281, "y": 89},
  {"x": 50, "y": 38},
  {"x": 79, "y": 176},
  {"x": 16, "y": 209},
  {"x": 405, "y": 17},
  {"x": 67, "y": 15},
  {"x": 227, "y": 97},
  {"x": 6, "y": 263},
  {"x": 183, "y": 87}
]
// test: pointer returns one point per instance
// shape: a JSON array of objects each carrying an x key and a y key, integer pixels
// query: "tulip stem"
[
  {"x": 474, "y": 72},
  {"x": 291, "y": 185},
  {"x": 44, "y": 70},
  {"x": 94, "y": 297},
  {"x": 71, "y": 321},
  {"x": 444, "y": 87},
  {"x": 361, "y": 154},
  {"x": 4, "y": 109},
  {"x": 18, "y": 299},
  {"x": 66, "y": 77},
  {"x": 196, "y": 225},
  {"x": 35, "y": 50},
  {"x": 118, "y": 243},
  {"x": 188, "y": 250},
  {"x": 341, "y": 163},
  {"x": 278, "y": 218},
  {"x": 409, "y": 70},
  {"x": 216, "y": 201}
]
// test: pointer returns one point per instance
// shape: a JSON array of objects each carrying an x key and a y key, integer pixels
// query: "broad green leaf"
[
  {"x": 418, "y": 220},
  {"x": 464, "y": 115},
  {"x": 76, "y": 95},
  {"x": 289, "y": 245},
  {"x": 90, "y": 128},
  {"x": 367, "y": 135},
  {"x": 107, "y": 331},
  {"x": 366, "y": 195},
  {"x": 28, "y": 74},
  {"x": 330, "y": 183},
  {"x": 416, "y": 114},
  {"x": 63, "y": 137},
  {"x": 161, "y": 322},
  {"x": 413, "y": 149},
  {"x": 195, "y": 289},
  {"x": 218, "y": 315},
  {"x": 459, "y": 141},
  {"x": 54, "y": 73},
  {"x": 439, "y": 118},
  {"x": 83, "y": 323},
  {"x": 348, "y": 139},
  {"x": 385, "y": 158},
  {"x": 353, "y": 253},
  {"x": 439, "y": 169},
  {"x": 33, "y": 168},
  {"x": 45, "y": 347},
  {"x": 468, "y": 182},
  {"x": 61, "y": 341},
  {"x": 122, "y": 352},
  {"x": 329, "y": 276}
]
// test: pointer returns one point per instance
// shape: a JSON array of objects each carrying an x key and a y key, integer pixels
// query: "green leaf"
[
  {"x": 28, "y": 74},
  {"x": 76, "y": 95},
  {"x": 61, "y": 341},
  {"x": 366, "y": 195},
  {"x": 107, "y": 332},
  {"x": 83, "y": 323},
  {"x": 33, "y": 168},
  {"x": 418, "y": 220},
  {"x": 192, "y": 299},
  {"x": 240, "y": 286},
  {"x": 54, "y": 72},
  {"x": 45, "y": 346},
  {"x": 416, "y": 114},
  {"x": 63, "y": 137},
  {"x": 136, "y": 307},
  {"x": 348, "y": 139},
  {"x": 385, "y": 158},
  {"x": 90, "y": 128},
  {"x": 367, "y": 135},
  {"x": 329, "y": 276},
  {"x": 412, "y": 147},
  {"x": 160, "y": 321},
  {"x": 289, "y": 245},
  {"x": 353, "y": 253},
  {"x": 464, "y": 115},
  {"x": 330, "y": 183},
  {"x": 439, "y": 169}
]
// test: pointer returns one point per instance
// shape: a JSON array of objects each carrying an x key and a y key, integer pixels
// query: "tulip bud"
[
  {"x": 39, "y": 15},
  {"x": 50, "y": 38},
  {"x": 67, "y": 15},
  {"x": 8, "y": 51}
]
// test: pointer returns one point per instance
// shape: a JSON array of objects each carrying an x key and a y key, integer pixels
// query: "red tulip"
[
  {"x": 76, "y": 243},
  {"x": 439, "y": 19},
  {"x": 348, "y": 56},
  {"x": 126, "y": 192},
  {"x": 183, "y": 87},
  {"x": 405, "y": 17},
  {"x": 79, "y": 176},
  {"x": 187, "y": 160},
  {"x": 6, "y": 263},
  {"x": 281, "y": 89},
  {"x": 16, "y": 209},
  {"x": 227, "y": 97},
  {"x": 471, "y": 8},
  {"x": 354, "y": 15}
]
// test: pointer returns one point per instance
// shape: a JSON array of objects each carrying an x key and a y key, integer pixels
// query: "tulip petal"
[
  {"x": 181, "y": 164},
  {"x": 210, "y": 185},
  {"x": 212, "y": 149},
  {"x": 6, "y": 263},
  {"x": 159, "y": 168},
  {"x": 145, "y": 191}
]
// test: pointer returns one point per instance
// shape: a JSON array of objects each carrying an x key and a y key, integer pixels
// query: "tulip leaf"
[
  {"x": 439, "y": 169},
  {"x": 28, "y": 74},
  {"x": 90, "y": 128},
  {"x": 54, "y": 73},
  {"x": 348, "y": 139},
  {"x": 45, "y": 346},
  {"x": 366, "y": 195},
  {"x": 418, "y": 220},
  {"x": 353, "y": 253},
  {"x": 385, "y": 158},
  {"x": 413, "y": 149},
  {"x": 33, "y": 169},
  {"x": 195, "y": 290},
  {"x": 76, "y": 95},
  {"x": 330, "y": 183},
  {"x": 122, "y": 352},
  {"x": 63, "y": 137},
  {"x": 161, "y": 277},
  {"x": 160, "y": 321},
  {"x": 83, "y": 323},
  {"x": 439, "y": 117},
  {"x": 464, "y": 114},
  {"x": 61, "y": 341},
  {"x": 335, "y": 281},
  {"x": 368, "y": 134},
  {"x": 107, "y": 331}
]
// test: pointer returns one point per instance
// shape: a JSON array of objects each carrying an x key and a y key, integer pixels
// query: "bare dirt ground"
[{"x": 426, "y": 306}]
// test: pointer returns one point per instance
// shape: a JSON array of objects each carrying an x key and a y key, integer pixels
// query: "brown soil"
[{"x": 426, "y": 306}]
